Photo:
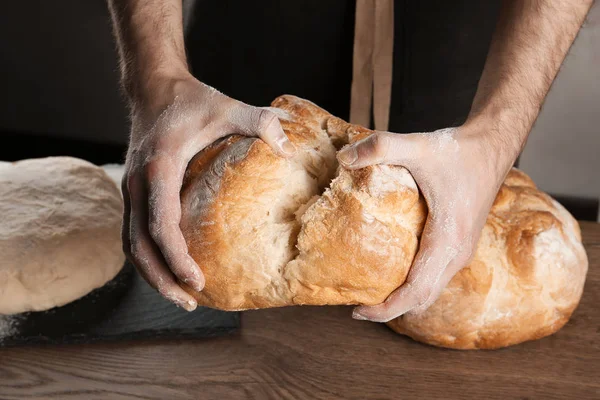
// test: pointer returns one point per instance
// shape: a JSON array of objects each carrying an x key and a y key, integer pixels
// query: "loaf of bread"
[{"x": 270, "y": 232}]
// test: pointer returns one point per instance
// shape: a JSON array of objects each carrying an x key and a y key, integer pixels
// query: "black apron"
[{"x": 255, "y": 51}]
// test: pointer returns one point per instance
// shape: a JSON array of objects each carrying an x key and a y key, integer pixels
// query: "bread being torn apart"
[{"x": 271, "y": 232}]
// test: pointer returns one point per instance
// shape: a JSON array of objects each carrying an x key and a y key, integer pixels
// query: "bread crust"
[{"x": 268, "y": 232}]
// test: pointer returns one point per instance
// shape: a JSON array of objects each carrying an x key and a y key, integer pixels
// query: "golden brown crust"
[
  {"x": 266, "y": 235},
  {"x": 524, "y": 282},
  {"x": 344, "y": 235}
]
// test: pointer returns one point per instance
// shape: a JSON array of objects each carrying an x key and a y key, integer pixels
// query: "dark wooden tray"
[{"x": 126, "y": 308}]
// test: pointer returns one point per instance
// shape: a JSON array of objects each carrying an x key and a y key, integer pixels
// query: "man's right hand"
[{"x": 181, "y": 117}]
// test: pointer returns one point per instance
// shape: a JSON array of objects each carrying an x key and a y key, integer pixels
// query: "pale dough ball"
[{"x": 59, "y": 232}]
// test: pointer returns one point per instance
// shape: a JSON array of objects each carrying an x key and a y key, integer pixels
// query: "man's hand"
[
  {"x": 160, "y": 148},
  {"x": 459, "y": 172},
  {"x": 174, "y": 116}
]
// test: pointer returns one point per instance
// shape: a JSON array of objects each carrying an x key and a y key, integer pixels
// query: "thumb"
[
  {"x": 261, "y": 122},
  {"x": 378, "y": 148}
]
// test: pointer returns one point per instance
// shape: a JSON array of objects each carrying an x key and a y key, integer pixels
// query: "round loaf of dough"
[
  {"x": 269, "y": 231},
  {"x": 59, "y": 232}
]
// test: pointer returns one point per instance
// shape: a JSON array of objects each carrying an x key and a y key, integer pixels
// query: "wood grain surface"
[{"x": 318, "y": 353}]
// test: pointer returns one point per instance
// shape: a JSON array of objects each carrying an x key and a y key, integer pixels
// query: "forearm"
[
  {"x": 150, "y": 41},
  {"x": 531, "y": 41}
]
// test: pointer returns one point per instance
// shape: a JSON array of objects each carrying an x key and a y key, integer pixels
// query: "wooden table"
[{"x": 318, "y": 353}]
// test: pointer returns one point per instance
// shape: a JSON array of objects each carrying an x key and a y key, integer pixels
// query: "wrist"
[
  {"x": 497, "y": 137},
  {"x": 153, "y": 91},
  {"x": 506, "y": 126}
]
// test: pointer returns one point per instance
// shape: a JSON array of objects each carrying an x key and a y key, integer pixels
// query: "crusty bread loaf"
[{"x": 269, "y": 232}]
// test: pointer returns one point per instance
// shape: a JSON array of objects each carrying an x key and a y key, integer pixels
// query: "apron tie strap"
[{"x": 372, "y": 63}]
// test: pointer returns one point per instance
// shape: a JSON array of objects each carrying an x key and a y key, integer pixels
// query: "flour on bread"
[{"x": 272, "y": 231}]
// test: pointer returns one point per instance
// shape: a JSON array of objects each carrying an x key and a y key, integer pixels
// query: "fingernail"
[
  {"x": 195, "y": 284},
  {"x": 196, "y": 281},
  {"x": 190, "y": 305},
  {"x": 288, "y": 148},
  {"x": 198, "y": 286},
  {"x": 348, "y": 155},
  {"x": 358, "y": 316}
]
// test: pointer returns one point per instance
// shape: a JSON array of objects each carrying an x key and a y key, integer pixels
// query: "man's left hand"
[{"x": 459, "y": 171}]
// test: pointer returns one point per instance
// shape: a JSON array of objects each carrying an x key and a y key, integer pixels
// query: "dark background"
[
  {"x": 59, "y": 92},
  {"x": 59, "y": 82}
]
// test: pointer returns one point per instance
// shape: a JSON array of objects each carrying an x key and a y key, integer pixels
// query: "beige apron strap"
[
  {"x": 382, "y": 63},
  {"x": 362, "y": 63},
  {"x": 372, "y": 63}
]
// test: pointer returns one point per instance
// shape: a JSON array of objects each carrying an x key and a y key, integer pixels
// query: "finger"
[
  {"x": 164, "y": 176},
  {"x": 146, "y": 256},
  {"x": 378, "y": 148},
  {"x": 443, "y": 281},
  {"x": 261, "y": 122},
  {"x": 412, "y": 294},
  {"x": 428, "y": 276}
]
